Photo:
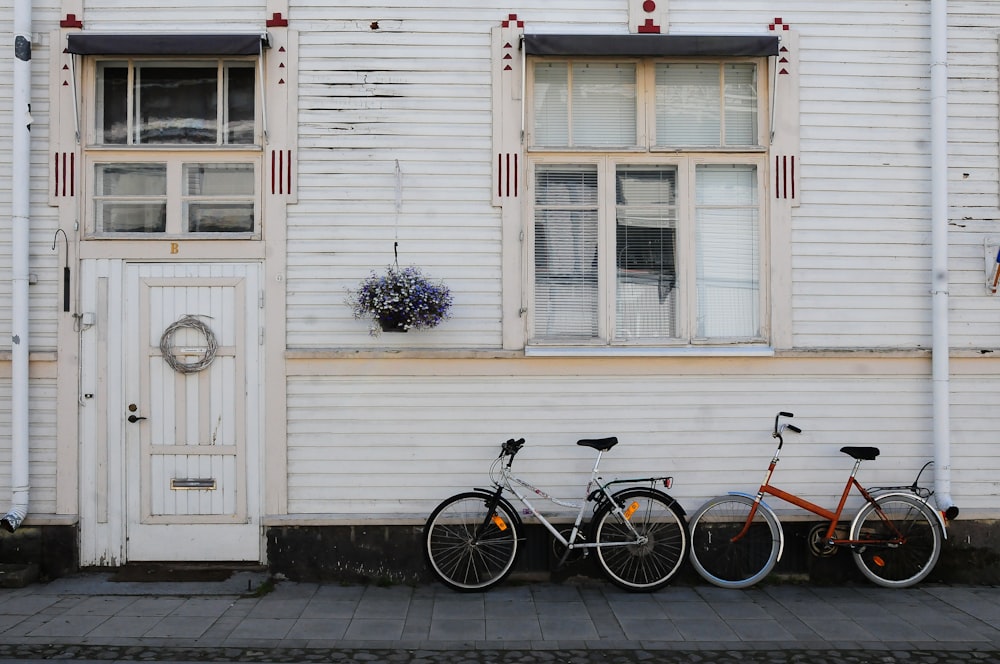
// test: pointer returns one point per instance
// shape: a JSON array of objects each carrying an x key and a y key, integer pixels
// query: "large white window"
[
  {"x": 174, "y": 147},
  {"x": 647, "y": 209}
]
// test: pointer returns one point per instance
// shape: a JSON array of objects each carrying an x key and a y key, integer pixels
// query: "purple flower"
[{"x": 401, "y": 298}]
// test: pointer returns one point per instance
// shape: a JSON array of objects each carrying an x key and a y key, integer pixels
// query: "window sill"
[{"x": 649, "y": 351}]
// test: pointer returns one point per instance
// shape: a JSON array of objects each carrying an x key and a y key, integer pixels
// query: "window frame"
[
  {"x": 686, "y": 160},
  {"x": 174, "y": 155}
]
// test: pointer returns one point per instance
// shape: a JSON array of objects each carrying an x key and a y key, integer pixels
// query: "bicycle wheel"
[
  {"x": 911, "y": 561},
  {"x": 730, "y": 563},
  {"x": 640, "y": 567},
  {"x": 469, "y": 547}
]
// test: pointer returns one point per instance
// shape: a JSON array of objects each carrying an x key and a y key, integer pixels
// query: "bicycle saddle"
[
  {"x": 602, "y": 444},
  {"x": 863, "y": 453}
]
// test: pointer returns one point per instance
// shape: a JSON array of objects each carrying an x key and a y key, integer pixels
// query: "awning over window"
[
  {"x": 83, "y": 43},
  {"x": 634, "y": 45}
]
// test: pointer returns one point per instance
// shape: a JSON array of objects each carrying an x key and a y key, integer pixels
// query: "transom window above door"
[{"x": 175, "y": 103}]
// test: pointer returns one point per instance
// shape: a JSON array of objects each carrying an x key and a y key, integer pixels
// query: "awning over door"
[
  {"x": 636, "y": 45},
  {"x": 82, "y": 43}
]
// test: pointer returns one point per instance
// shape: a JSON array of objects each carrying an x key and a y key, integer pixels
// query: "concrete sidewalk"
[{"x": 246, "y": 612}]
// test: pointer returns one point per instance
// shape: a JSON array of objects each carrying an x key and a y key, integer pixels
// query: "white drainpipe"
[
  {"x": 940, "y": 348},
  {"x": 20, "y": 250}
]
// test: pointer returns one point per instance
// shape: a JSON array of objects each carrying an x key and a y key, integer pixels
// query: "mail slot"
[{"x": 202, "y": 483}]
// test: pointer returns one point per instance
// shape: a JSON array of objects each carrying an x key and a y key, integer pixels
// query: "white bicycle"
[{"x": 472, "y": 539}]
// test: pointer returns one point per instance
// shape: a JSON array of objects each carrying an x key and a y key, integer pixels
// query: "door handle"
[{"x": 135, "y": 418}]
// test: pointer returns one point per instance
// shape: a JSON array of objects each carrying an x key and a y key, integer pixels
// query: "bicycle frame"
[
  {"x": 595, "y": 486},
  {"x": 832, "y": 516}
]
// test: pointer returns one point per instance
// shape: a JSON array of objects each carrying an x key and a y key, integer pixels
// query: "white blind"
[
  {"x": 584, "y": 105},
  {"x": 604, "y": 105},
  {"x": 646, "y": 217},
  {"x": 741, "y": 104},
  {"x": 551, "y": 104},
  {"x": 706, "y": 105},
  {"x": 688, "y": 103},
  {"x": 727, "y": 250},
  {"x": 566, "y": 296}
]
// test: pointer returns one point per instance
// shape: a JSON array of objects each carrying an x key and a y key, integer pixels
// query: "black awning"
[
  {"x": 135, "y": 43},
  {"x": 634, "y": 45}
]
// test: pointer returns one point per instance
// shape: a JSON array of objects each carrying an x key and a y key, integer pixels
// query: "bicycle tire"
[
  {"x": 908, "y": 563},
  {"x": 740, "y": 563},
  {"x": 462, "y": 558},
  {"x": 640, "y": 567}
]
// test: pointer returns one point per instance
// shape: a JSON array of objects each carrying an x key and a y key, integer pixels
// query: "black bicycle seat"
[
  {"x": 602, "y": 444},
  {"x": 863, "y": 453}
]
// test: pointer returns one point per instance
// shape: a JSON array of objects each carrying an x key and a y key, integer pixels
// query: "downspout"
[
  {"x": 940, "y": 348},
  {"x": 20, "y": 249}
]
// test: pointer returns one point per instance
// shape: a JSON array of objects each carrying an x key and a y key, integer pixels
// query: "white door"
[{"x": 192, "y": 411}]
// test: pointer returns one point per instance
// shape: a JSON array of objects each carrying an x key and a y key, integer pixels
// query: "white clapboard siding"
[
  {"x": 396, "y": 445},
  {"x": 973, "y": 182},
  {"x": 138, "y": 16},
  {"x": 415, "y": 91},
  {"x": 42, "y": 445}
]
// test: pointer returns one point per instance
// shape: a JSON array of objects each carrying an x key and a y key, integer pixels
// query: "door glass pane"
[
  {"x": 240, "y": 104},
  {"x": 112, "y": 103},
  {"x": 219, "y": 197},
  {"x": 604, "y": 104},
  {"x": 741, "y": 104},
  {"x": 131, "y": 198},
  {"x": 177, "y": 104},
  {"x": 688, "y": 105},
  {"x": 566, "y": 295},
  {"x": 727, "y": 238},
  {"x": 645, "y": 252}
]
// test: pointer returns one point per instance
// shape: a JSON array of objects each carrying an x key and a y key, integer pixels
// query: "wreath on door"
[{"x": 167, "y": 345}]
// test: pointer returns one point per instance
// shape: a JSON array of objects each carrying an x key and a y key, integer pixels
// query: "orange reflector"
[
  {"x": 631, "y": 509},
  {"x": 878, "y": 561},
  {"x": 498, "y": 522}
]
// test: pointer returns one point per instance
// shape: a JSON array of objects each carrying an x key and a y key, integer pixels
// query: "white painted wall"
[{"x": 373, "y": 437}]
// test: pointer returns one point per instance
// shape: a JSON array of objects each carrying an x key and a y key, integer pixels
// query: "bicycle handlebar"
[
  {"x": 511, "y": 447},
  {"x": 778, "y": 429}
]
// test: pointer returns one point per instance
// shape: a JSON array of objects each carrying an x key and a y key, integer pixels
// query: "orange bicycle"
[{"x": 896, "y": 537}]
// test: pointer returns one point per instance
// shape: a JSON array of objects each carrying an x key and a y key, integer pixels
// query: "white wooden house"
[{"x": 663, "y": 220}]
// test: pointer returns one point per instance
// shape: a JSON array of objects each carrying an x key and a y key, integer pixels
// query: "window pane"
[
  {"x": 219, "y": 198},
  {"x": 741, "y": 104},
  {"x": 551, "y": 95},
  {"x": 112, "y": 103},
  {"x": 240, "y": 104},
  {"x": 177, "y": 104},
  {"x": 566, "y": 252},
  {"x": 604, "y": 104},
  {"x": 645, "y": 250},
  {"x": 688, "y": 105},
  {"x": 131, "y": 198},
  {"x": 727, "y": 238}
]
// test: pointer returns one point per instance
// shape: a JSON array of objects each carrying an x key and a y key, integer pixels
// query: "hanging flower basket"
[{"x": 400, "y": 299}]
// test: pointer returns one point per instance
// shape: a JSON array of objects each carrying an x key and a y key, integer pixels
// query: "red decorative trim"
[
  {"x": 64, "y": 170},
  {"x": 71, "y": 21},
  {"x": 649, "y": 6},
  {"x": 649, "y": 27},
  {"x": 778, "y": 25},
  {"x": 507, "y": 175},
  {"x": 784, "y": 177},
  {"x": 277, "y": 21},
  {"x": 281, "y": 172},
  {"x": 512, "y": 18}
]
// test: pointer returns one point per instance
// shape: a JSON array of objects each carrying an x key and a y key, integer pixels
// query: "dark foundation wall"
[
  {"x": 53, "y": 550},
  {"x": 394, "y": 554}
]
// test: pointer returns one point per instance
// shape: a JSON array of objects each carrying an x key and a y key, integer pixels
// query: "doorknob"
[{"x": 135, "y": 418}]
